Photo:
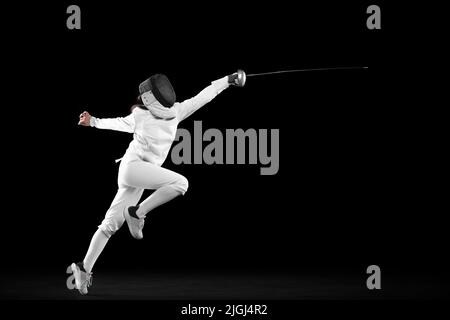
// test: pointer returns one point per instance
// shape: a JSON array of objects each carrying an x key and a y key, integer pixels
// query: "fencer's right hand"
[
  {"x": 85, "y": 119},
  {"x": 237, "y": 79},
  {"x": 233, "y": 79}
]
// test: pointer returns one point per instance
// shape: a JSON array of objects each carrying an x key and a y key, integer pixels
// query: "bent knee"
[
  {"x": 109, "y": 226},
  {"x": 181, "y": 184}
]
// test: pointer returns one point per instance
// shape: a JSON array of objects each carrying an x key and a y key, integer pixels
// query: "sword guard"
[{"x": 238, "y": 78}]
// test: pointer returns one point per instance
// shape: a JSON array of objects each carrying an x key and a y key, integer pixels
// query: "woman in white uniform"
[{"x": 154, "y": 124}]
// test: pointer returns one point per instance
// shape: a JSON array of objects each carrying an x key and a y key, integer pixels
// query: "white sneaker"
[
  {"x": 134, "y": 225},
  {"x": 83, "y": 279}
]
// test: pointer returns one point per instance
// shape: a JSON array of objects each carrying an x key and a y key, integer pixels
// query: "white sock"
[
  {"x": 98, "y": 242},
  {"x": 157, "y": 198}
]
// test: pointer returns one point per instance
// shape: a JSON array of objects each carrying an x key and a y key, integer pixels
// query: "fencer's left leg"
[
  {"x": 98, "y": 243},
  {"x": 113, "y": 220}
]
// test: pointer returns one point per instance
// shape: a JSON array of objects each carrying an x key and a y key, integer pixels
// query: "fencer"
[{"x": 153, "y": 123}]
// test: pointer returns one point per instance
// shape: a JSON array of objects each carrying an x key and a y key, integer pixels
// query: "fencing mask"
[{"x": 157, "y": 87}]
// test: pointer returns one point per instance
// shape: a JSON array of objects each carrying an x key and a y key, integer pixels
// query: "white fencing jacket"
[{"x": 153, "y": 137}]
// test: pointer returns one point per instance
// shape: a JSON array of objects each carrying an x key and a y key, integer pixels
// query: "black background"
[{"x": 354, "y": 186}]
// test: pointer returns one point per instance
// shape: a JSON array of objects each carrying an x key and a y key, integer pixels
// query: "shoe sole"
[
  {"x": 128, "y": 218},
  {"x": 76, "y": 275}
]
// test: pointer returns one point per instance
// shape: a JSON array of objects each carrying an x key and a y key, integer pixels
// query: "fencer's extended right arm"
[
  {"x": 124, "y": 124},
  {"x": 189, "y": 106}
]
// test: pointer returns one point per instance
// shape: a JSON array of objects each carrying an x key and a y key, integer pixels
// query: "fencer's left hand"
[{"x": 85, "y": 119}]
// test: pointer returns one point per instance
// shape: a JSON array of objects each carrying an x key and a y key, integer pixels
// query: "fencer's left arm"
[
  {"x": 124, "y": 124},
  {"x": 189, "y": 106}
]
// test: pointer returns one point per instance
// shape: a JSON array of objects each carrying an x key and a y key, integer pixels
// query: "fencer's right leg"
[
  {"x": 125, "y": 197},
  {"x": 167, "y": 185},
  {"x": 161, "y": 196}
]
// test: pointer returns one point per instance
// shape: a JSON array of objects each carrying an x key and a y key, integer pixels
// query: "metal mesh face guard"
[
  {"x": 161, "y": 88},
  {"x": 148, "y": 98}
]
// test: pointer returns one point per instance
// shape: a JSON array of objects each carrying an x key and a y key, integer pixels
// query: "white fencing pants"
[{"x": 134, "y": 177}]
